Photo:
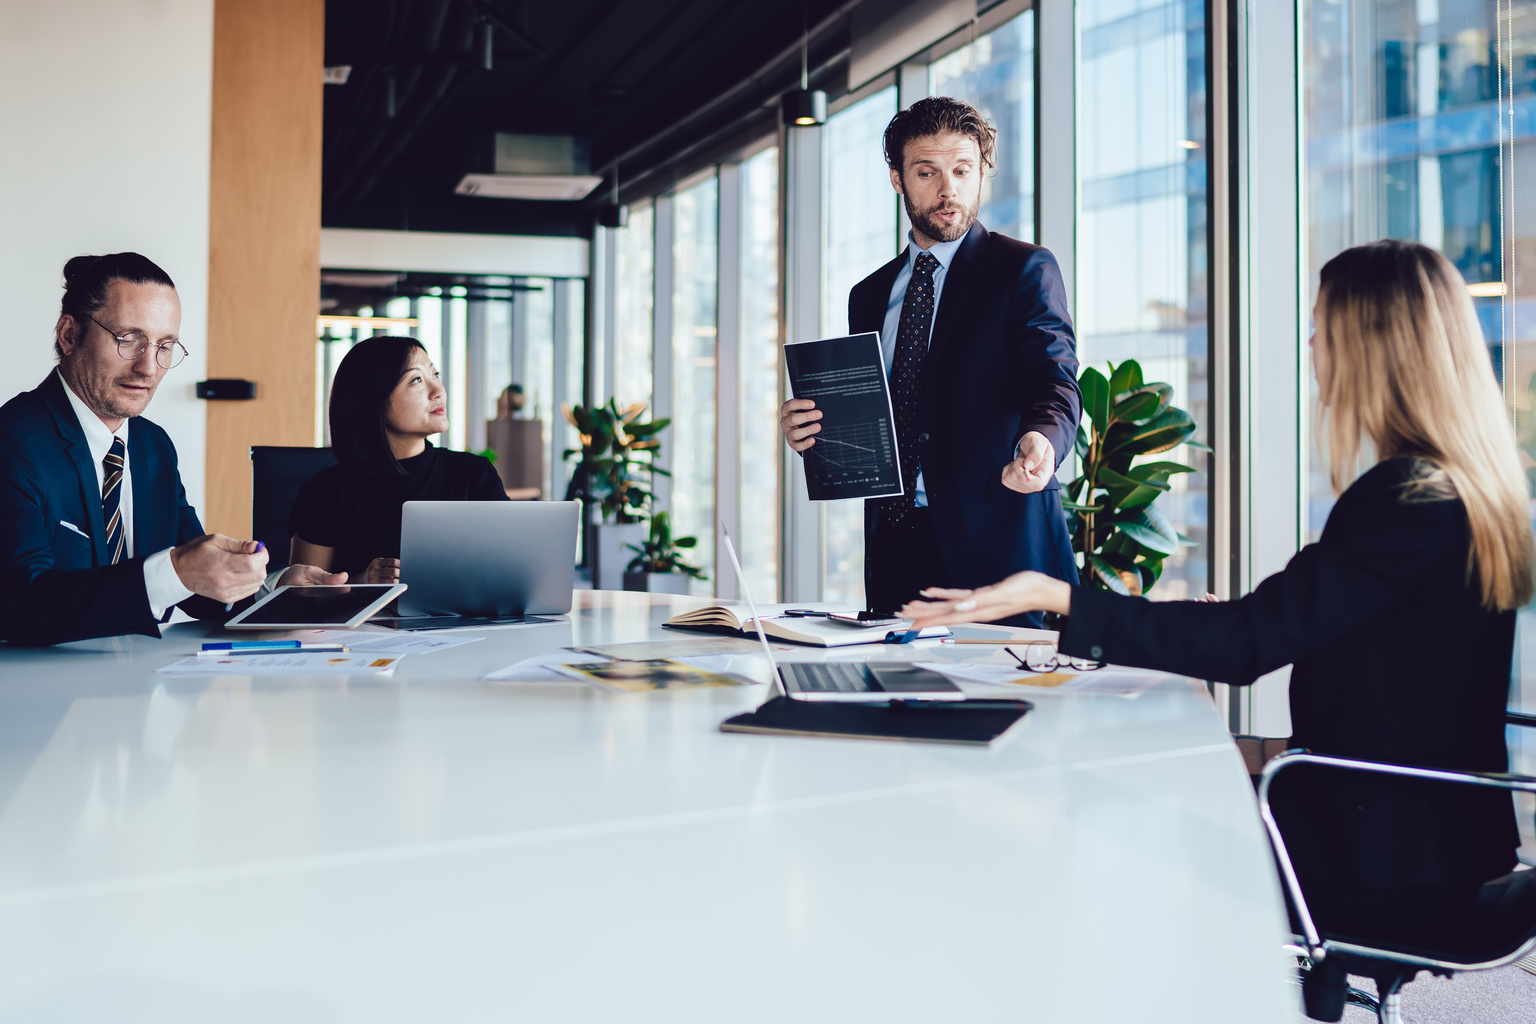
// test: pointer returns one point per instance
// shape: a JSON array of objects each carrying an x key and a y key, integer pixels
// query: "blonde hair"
[{"x": 1409, "y": 370}]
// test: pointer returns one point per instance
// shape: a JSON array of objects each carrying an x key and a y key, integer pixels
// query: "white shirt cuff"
[
  {"x": 270, "y": 584},
  {"x": 161, "y": 583}
]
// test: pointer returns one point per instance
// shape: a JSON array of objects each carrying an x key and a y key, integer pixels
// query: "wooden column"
[{"x": 264, "y": 238}]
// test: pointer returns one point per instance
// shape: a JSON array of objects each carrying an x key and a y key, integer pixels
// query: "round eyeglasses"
[
  {"x": 133, "y": 344},
  {"x": 1041, "y": 656}
]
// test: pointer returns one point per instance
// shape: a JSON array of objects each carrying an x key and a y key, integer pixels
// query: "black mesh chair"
[
  {"x": 276, "y": 475},
  {"x": 1499, "y": 930}
]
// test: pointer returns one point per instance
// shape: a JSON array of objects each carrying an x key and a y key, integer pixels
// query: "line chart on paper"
[{"x": 854, "y": 447}]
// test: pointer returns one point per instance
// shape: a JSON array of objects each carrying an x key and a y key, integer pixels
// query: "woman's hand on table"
[
  {"x": 382, "y": 570},
  {"x": 1022, "y": 592},
  {"x": 309, "y": 576}
]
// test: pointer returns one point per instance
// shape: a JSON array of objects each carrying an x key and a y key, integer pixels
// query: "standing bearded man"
[{"x": 982, "y": 362}]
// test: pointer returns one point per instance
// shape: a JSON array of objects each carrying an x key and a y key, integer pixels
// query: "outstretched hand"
[
  {"x": 1034, "y": 467},
  {"x": 1020, "y": 593}
]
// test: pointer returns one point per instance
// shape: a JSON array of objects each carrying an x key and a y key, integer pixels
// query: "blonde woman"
[{"x": 1399, "y": 622}]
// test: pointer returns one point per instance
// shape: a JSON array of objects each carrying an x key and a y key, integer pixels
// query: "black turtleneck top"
[{"x": 358, "y": 514}]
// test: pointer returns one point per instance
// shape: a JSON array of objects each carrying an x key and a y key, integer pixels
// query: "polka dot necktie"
[
  {"x": 907, "y": 376},
  {"x": 111, "y": 498}
]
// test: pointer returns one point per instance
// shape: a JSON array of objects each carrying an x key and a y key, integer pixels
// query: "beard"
[
  {"x": 927, "y": 223},
  {"x": 98, "y": 390}
]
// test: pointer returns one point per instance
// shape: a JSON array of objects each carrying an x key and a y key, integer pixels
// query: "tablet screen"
[{"x": 316, "y": 606}]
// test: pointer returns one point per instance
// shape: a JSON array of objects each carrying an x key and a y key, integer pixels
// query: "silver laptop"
[
  {"x": 842, "y": 681},
  {"x": 488, "y": 559}
]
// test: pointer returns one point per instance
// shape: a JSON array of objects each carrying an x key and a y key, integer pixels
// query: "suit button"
[
  {"x": 1096, "y": 652},
  {"x": 922, "y": 438}
]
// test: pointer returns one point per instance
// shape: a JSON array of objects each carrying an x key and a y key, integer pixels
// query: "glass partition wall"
[
  {"x": 691, "y": 459},
  {"x": 1142, "y": 284},
  {"x": 760, "y": 451},
  {"x": 996, "y": 75},
  {"x": 1420, "y": 123},
  {"x": 858, "y": 238}
]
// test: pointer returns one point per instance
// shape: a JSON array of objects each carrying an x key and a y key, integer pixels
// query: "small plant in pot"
[
  {"x": 659, "y": 566},
  {"x": 616, "y": 462},
  {"x": 1119, "y": 534}
]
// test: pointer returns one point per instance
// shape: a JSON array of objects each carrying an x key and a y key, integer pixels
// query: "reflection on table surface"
[{"x": 430, "y": 845}]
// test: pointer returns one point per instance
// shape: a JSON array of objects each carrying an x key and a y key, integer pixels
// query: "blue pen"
[
  {"x": 254, "y": 645},
  {"x": 260, "y": 546}
]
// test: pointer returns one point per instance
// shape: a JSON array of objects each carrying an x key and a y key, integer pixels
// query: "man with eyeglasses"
[{"x": 96, "y": 535}]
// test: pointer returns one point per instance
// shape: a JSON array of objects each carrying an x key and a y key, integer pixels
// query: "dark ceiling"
[{"x": 660, "y": 85}]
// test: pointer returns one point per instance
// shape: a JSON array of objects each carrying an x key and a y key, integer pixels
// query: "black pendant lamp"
[
  {"x": 614, "y": 214},
  {"x": 804, "y": 106}
]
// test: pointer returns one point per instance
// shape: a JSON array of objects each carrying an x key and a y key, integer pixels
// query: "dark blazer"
[
  {"x": 56, "y": 585},
  {"x": 1002, "y": 362},
  {"x": 1395, "y": 659}
]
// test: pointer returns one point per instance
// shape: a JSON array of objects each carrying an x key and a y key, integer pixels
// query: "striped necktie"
[
  {"x": 111, "y": 497},
  {"x": 907, "y": 376}
]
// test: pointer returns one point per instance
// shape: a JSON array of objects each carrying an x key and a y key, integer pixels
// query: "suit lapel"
[
  {"x": 875, "y": 297},
  {"x": 143, "y": 466},
  {"x": 52, "y": 392},
  {"x": 958, "y": 280}
]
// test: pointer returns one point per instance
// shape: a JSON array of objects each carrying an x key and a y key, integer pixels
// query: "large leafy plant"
[
  {"x": 663, "y": 552},
  {"x": 617, "y": 458},
  {"x": 1120, "y": 535}
]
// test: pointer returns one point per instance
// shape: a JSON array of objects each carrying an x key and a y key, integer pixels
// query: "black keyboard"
[{"x": 818, "y": 678}]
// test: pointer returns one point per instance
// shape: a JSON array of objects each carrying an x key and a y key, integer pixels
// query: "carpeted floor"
[{"x": 1503, "y": 996}]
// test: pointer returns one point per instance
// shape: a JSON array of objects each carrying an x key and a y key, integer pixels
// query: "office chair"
[
  {"x": 1500, "y": 931},
  {"x": 276, "y": 476}
]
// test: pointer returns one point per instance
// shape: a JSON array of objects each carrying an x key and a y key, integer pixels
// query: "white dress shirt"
[
  {"x": 944, "y": 252},
  {"x": 160, "y": 580}
]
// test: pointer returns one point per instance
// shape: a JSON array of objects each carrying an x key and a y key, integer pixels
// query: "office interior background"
[{"x": 1191, "y": 164}]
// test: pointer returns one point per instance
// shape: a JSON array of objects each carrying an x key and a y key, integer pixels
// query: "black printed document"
[{"x": 855, "y": 453}]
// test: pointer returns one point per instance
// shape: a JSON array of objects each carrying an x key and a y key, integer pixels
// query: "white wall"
[
  {"x": 104, "y": 147},
  {"x": 445, "y": 253}
]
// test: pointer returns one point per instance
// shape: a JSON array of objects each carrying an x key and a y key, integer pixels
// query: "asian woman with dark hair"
[{"x": 386, "y": 400}]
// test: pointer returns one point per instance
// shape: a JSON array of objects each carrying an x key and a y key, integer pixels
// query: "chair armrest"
[{"x": 1314, "y": 942}]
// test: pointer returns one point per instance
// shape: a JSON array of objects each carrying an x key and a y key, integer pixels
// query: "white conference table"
[{"x": 432, "y": 848}]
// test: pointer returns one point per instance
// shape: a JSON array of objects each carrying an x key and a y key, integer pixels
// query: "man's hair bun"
[{"x": 86, "y": 279}]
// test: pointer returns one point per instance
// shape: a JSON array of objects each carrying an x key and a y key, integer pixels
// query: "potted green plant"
[
  {"x": 1119, "y": 534},
  {"x": 659, "y": 566},
  {"x": 616, "y": 462}
]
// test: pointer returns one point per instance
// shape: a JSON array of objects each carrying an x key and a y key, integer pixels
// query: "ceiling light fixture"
[
  {"x": 614, "y": 214},
  {"x": 804, "y": 106},
  {"x": 487, "y": 46},
  {"x": 1487, "y": 289}
]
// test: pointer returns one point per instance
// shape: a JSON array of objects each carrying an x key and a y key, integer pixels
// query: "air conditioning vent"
[{"x": 528, "y": 186}]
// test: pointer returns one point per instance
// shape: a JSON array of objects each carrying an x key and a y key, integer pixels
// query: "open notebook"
[{"x": 735, "y": 620}]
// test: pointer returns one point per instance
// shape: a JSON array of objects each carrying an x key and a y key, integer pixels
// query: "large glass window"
[
  {"x": 536, "y": 363},
  {"x": 761, "y": 443},
  {"x": 633, "y": 322},
  {"x": 859, "y": 236},
  {"x": 691, "y": 457},
  {"x": 996, "y": 74},
  {"x": 575, "y": 375},
  {"x": 1142, "y": 285},
  {"x": 1403, "y": 129}
]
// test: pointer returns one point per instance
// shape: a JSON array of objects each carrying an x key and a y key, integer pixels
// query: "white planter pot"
[
  {"x": 610, "y": 556},
  {"x": 659, "y": 582}
]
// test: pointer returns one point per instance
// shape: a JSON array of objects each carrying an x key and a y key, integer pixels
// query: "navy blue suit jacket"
[
  {"x": 56, "y": 585},
  {"x": 1002, "y": 362}
]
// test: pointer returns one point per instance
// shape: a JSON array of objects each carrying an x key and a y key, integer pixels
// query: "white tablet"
[{"x": 343, "y": 607}]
